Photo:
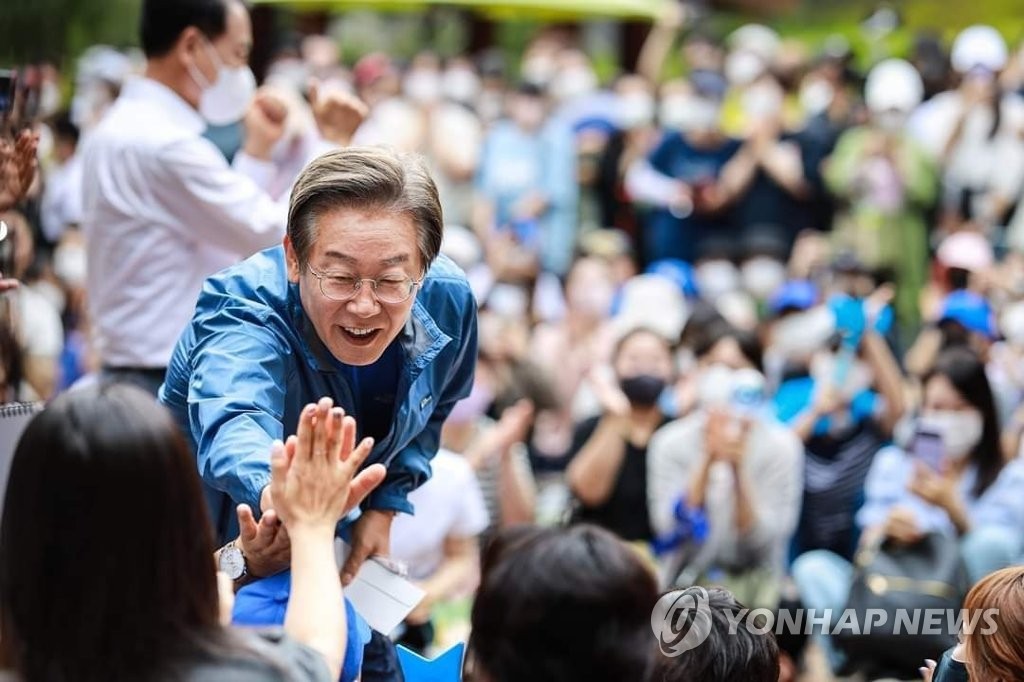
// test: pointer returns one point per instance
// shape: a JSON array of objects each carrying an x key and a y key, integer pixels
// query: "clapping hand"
[
  {"x": 264, "y": 123},
  {"x": 17, "y": 167},
  {"x": 337, "y": 113},
  {"x": 726, "y": 437}
]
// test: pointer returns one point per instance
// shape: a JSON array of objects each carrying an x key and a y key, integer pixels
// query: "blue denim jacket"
[{"x": 250, "y": 360}]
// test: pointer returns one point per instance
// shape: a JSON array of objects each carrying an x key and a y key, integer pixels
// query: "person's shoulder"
[
  {"x": 1013, "y": 472},
  {"x": 265, "y": 655},
  {"x": 679, "y": 436},
  {"x": 451, "y": 465},
  {"x": 891, "y": 461},
  {"x": 260, "y": 278}
]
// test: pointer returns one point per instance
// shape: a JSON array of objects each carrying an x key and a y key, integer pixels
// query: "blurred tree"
[{"x": 59, "y": 30}]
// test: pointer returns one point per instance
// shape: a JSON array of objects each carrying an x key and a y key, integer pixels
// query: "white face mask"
[
  {"x": 850, "y": 382},
  {"x": 960, "y": 430},
  {"x": 798, "y": 334},
  {"x": 225, "y": 100},
  {"x": 573, "y": 83},
  {"x": 460, "y": 85},
  {"x": 816, "y": 96},
  {"x": 635, "y": 110},
  {"x": 762, "y": 276},
  {"x": 721, "y": 386},
  {"x": 688, "y": 114},
  {"x": 422, "y": 86},
  {"x": 743, "y": 67},
  {"x": 715, "y": 278}
]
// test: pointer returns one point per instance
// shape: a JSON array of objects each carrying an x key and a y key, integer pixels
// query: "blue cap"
[
  {"x": 971, "y": 310},
  {"x": 679, "y": 271},
  {"x": 265, "y": 602},
  {"x": 796, "y": 294}
]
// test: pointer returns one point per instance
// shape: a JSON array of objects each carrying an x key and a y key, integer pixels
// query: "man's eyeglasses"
[{"x": 344, "y": 288}]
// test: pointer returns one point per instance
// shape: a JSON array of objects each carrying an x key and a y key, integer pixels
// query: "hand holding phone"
[{"x": 929, "y": 449}]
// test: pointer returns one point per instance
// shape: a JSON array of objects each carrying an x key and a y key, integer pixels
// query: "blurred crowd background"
[{"x": 723, "y": 249}]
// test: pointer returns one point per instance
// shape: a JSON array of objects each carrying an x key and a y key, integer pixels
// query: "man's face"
[
  {"x": 232, "y": 47},
  {"x": 361, "y": 244}
]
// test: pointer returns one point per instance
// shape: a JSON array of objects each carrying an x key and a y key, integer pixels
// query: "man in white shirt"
[{"x": 162, "y": 208}]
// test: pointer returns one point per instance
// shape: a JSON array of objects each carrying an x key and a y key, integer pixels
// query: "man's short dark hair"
[
  {"x": 163, "y": 21},
  {"x": 725, "y": 656}
]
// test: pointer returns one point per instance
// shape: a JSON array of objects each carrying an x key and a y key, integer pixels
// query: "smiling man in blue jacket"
[{"x": 357, "y": 305}]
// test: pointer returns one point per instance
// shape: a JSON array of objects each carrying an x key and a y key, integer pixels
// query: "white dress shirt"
[{"x": 163, "y": 210}]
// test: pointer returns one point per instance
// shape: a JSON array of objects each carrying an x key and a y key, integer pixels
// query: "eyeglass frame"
[{"x": 358, "y": 286}]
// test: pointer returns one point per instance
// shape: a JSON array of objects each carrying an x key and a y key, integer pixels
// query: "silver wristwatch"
[{"x": 232, "y": 561}]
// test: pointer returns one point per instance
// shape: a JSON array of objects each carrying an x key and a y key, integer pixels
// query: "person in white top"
[
  {"x": 439, "y": 543},
  {"x": 162, "y": 207}
]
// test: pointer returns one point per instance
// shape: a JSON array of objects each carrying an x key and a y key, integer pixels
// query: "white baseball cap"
[
  {"x": 893, "y": 84},
  {"x": 978, "y": 46}
]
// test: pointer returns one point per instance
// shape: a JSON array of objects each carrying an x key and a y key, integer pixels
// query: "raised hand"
[
  {"x": 337, "y": 113},
  {"x": 314, "y": 479}
]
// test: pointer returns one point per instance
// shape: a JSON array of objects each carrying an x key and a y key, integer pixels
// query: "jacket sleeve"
[
  {"x": 410, "y": 467},
  {"x": 236, "y": 406}
]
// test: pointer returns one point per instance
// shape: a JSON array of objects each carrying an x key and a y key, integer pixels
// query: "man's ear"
[
  {"x": 189, "y": 42},
  {"x": 291, "y": 260}
]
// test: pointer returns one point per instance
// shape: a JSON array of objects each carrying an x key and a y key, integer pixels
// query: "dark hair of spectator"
[
  {"x": 562, "y": 604},
  {"x": 162, "y": 22},
  {"x": 724, "y": 656},
  {"x": 748, "y": 342},
  {"x": 637, "y": 331},
  {"x": 966, "y": 372},
  {"x": 106, "y": 547}
]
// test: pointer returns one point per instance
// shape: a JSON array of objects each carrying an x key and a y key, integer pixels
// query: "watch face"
[{"x": 232, "y": 562}]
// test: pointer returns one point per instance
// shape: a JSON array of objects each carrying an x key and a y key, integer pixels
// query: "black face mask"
[{"x": 643, "y": 390}]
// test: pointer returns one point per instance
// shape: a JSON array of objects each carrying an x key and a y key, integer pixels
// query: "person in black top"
[{"x": 607, "y": 473}]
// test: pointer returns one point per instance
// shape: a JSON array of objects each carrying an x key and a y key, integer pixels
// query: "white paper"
[{"x": 382, "y": 597}]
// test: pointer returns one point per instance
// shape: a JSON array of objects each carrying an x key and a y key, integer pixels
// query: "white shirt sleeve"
[
  {"x": 259, "y": 171},
  {"x": 217, "y": 201}
]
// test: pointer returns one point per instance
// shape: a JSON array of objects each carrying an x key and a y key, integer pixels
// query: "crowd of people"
[{"x": 741, "y": 328}]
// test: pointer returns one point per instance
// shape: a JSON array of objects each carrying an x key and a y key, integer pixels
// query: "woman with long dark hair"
[
  {"x": 106, "y": 548},
  {"x": 951, "y": 479}
]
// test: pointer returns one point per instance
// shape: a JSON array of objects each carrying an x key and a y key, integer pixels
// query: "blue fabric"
[
  {"x": 374, "y": 388},
  {"x": 798, "y": 294},
  {"x": 515, "y": 163},
  {"x": 680, "y": 272},
  {"x": 1001, "y": 505},
  {"x": 795, "y": 395},
  {"x": 667, "y": 236},
  {"x": 265, "y": 602},
  {"x": 691, "y": 526},
  {"x": 250, "y": 360},
  {"x": 971, "y": 310}
]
